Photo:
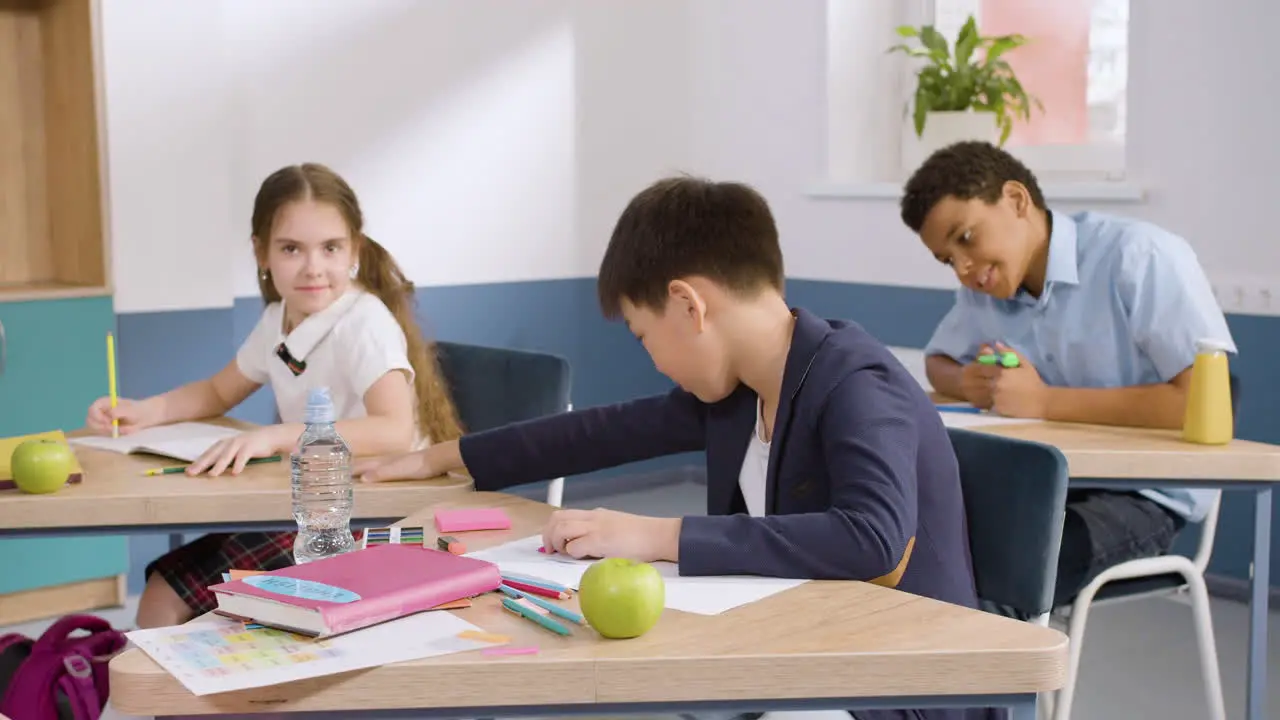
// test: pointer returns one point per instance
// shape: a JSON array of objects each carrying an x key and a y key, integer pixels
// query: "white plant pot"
[{"x": 945, "y": 128}]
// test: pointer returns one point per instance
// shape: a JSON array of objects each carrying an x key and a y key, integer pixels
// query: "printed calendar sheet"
[{"x": 220, "y": 655}]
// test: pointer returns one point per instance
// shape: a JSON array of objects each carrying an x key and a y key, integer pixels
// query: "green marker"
[{"x": 1007, "y": 359}]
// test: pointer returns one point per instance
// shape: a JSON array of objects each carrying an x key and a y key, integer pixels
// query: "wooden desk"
[
  {"x": 1122, "y": 458},
  {"x": 839, "y": 645},
  {"x": 115, "y": 496}
]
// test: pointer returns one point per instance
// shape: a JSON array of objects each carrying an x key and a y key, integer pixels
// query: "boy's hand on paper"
[
  {"x": 1019, "y": 392},
  {"x": 233, "y": 453},
  {"x": 134, "y": 415},
  {"x": 603, "y": 533},
  {"x": 977, "y": 380}
]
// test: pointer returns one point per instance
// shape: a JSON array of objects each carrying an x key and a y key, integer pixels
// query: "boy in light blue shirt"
[{"x": 1103, "y": 312}]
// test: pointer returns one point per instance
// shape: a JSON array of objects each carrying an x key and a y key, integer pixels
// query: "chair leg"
[
  {"x": 1208, "y": 647},
  {"x": 1075, "y": 637}
]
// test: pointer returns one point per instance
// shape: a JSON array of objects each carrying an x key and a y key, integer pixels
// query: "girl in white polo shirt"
[{"x": 339, "y": 314}]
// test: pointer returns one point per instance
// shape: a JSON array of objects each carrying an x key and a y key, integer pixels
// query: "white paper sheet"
[
  {"x": 699, "y": 595},
  {"x": 984, "y": 419},
  {"x": 182, "y": 441},
  {"x": 219, "y": 655}
]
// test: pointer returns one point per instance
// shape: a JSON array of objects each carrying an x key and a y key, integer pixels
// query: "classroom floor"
[{"x": 1140, "y": 658}]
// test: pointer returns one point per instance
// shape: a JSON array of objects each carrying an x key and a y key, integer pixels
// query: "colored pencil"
[
  {"x": 531, "y": 580},
  {"x": 536, "y": 589},
  {"x": 528, "y": 614},
  {"x": 183, "y": 468},
  {"x": 550, "y": 607},
  {"x": 111, "y": 382}
]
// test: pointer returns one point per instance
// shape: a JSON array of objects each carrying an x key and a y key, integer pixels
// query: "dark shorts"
[
  {"x": 1104, "y": 528},
  {"x": 192, "y": 568}
]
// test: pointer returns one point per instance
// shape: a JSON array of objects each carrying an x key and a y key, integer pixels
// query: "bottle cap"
[
  {"x": 319, "y": 406},
  {"x": 1208, "y": 345}
]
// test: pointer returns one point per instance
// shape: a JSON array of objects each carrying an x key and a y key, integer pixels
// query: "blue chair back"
[
  {"x": 492, "y": 386},
  {"x": 1015, "y": 494}
]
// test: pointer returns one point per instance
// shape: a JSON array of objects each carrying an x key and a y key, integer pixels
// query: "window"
[{"x": 1076, "y": 63}]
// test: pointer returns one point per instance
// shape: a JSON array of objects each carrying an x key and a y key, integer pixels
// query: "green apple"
[
  {"x": 621, "y": 598},
  {"x": 42, "y": 465}
]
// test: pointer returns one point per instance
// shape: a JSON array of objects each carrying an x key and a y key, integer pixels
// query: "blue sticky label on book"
[{"x": 301, "y": 589}]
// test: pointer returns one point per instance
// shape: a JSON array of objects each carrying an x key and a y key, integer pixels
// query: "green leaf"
[
  {"x": 912, "y": 51},
  {"x": 907, "y": 31},
  {"x": 1002, "y": 45},
  {"x": 934, "y": 40},
  {"x": 966, "y": 42},
  {"x": 921, "y": 111}
]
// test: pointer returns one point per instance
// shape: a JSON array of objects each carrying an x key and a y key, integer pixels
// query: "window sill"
[{"x": 1099, "y": 191}]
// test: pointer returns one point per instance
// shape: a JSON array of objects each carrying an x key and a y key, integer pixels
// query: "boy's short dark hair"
[
  {"x": 684, "y": 226},
  {"x": 965, "y": 170}
]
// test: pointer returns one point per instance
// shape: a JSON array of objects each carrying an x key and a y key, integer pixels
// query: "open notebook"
[{"x": 181, "y": 441}]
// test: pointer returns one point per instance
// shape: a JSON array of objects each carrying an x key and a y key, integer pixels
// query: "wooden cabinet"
[
  {"x": 52, "y": 224},
  {"x": 55, "y": 295}
]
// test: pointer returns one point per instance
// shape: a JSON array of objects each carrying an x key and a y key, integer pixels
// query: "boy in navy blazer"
[{"x": 825, "y": 459}]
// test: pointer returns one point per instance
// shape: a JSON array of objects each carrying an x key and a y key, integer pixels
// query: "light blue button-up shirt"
[{"x": 1124, "y": 303}]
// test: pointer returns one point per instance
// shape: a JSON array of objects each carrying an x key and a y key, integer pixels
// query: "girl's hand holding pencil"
[{"x": 131, "y": 415}]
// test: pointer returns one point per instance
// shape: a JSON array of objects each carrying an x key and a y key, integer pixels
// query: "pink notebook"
[
  {"x": 355, "y": 590},
  {"x": 472, "y": 519}
]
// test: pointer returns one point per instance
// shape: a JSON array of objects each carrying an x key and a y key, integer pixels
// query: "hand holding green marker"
[{"x": 1008, "y": 359}]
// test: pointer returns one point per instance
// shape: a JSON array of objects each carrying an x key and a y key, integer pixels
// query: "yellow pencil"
[{"x": 111, "y": 382}]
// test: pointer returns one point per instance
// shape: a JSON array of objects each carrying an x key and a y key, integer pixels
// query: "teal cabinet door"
[{"x": 55, "y": 365}]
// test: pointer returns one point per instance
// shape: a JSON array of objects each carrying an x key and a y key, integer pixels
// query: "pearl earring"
[
  {"x": 264, "y": 274},
  {"x": 355, "y": 271}
]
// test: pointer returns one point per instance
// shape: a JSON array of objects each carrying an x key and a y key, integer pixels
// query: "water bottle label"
[{"x": 301, "y": 589}]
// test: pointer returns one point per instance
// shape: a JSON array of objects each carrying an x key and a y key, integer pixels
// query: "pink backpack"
[{"x": 58, "y": 677}]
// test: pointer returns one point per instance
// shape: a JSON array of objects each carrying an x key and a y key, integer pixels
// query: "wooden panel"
[
  {"x": 25, "y": 251},
  {"x": 52, "y": 241},
  {"x": 52, "y": 602},
  {"x": 71, "y": 125}
]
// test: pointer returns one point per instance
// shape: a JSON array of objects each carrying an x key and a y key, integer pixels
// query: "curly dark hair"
[
  {"x": 965, "y": 170},
  {"x": 683, "y": 226}
]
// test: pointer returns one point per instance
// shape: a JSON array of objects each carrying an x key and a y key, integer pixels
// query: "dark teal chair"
[
  {"x": 1015, "y": 495},
  {"x": 493, "y": 386}
]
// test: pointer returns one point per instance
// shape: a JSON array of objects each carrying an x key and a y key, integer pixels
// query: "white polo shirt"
[{"x": 346, "y": 347}]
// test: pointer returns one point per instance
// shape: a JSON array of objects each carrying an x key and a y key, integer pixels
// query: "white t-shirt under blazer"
[
  {"x": 755, "y": 468},
  {"x": 346, "y": 347}
]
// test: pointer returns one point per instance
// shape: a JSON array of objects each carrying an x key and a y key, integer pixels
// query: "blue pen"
[
  {"x": 550, "y": 607},
  {"x": 530, "y": 580},
  {"x": 959, "y": 409},
  {"x": 528, "y": 614}
]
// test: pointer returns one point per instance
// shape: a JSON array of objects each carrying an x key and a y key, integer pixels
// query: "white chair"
[
  {"x": 1165, "y": 575},
  {"x": 555, "y": 491}
]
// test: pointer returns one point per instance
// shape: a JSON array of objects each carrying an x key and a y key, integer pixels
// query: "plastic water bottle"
[{"x": 322, "y": 489}]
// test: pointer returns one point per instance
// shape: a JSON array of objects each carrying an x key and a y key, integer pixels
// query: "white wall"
[
  {"x": 1201, "y": 134},
  {"x": 484, "y": 137},
  {"x": 493, "y": 140}
]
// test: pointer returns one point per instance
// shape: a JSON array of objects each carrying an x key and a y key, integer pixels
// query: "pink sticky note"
[
  {"x": 472, "y": 519},
  {"x": 510, "y": 651}
]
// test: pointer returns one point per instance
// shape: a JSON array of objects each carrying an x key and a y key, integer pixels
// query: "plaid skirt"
[{"x": 192, "y": 568}]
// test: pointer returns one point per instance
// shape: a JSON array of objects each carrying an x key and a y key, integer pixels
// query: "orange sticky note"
[
  {"x": 484, "y": 637},
  {"x": 455, "y": 605},
  {"x": 241, "y": 574}
]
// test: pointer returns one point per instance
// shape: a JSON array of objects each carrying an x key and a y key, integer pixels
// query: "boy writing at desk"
[
  {"x": 825, "y": 459},
  {"x": 1103, "y": 314}
]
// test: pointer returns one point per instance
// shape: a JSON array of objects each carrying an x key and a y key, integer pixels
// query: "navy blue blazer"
[{"x": 860, "y": 464}]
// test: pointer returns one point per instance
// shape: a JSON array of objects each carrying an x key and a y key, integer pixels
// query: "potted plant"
[{"x": 969, "y": 94}]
